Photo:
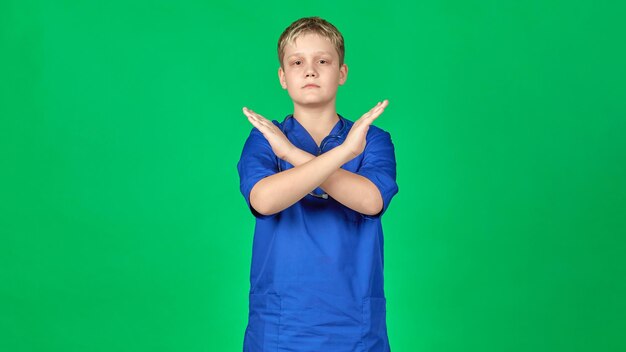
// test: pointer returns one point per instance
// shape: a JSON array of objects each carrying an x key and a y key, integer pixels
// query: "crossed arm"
[
  {"x": 279, "y": 191},
  {"x": 354, "y": 191}
]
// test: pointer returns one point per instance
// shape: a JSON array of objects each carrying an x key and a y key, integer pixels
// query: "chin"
[
  {"x": 313, "y": 105},
  {"x": 313, "y": 101}
]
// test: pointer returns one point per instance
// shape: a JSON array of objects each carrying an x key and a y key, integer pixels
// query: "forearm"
[
  {"x": 279, "y": 191},
  {"x": 354, "y": 191}
]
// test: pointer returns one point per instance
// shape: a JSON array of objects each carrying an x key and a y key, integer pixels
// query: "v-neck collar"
[{"x": 304, "y": 137}]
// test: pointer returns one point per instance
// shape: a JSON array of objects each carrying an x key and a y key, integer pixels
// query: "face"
[{"x": 312, "y": 73}]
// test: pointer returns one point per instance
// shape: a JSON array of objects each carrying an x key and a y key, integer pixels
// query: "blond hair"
[{"x": 308, "y": 25}]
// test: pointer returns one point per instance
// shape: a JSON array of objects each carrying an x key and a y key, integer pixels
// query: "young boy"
[{"x": 318, "y": 185}]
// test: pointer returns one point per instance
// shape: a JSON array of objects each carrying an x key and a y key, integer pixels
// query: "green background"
[{"x": 123, "y": 229}]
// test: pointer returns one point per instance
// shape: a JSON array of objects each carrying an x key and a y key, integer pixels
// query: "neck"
[{"x": 317, "y": 120}]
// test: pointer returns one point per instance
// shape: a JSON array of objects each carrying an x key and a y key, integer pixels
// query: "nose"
[{"x": 310, "y": 71}]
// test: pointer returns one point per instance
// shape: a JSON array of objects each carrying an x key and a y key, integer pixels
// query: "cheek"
[{"x": 290, "y": 77}]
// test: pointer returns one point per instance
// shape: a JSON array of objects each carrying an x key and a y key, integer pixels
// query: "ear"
[
  {"x": 281, "y": 78},
  {"x": 343, "y": 74}
]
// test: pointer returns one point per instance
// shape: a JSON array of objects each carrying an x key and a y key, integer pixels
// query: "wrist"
[
  {"x": 298, "y": 156},
  {"x": 346, "y": 154},
  {"x": 290, "y": 155}
]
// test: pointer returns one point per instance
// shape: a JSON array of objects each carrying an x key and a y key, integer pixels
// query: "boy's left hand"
[{"x": 281, "y": 146}]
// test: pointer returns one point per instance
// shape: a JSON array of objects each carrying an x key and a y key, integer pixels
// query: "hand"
[
  {"x": 281, "y": 146},
  {"x": 355, "y": 140}
]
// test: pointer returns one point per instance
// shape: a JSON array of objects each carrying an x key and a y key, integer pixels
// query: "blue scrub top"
[{"x": 316, "y": 277}]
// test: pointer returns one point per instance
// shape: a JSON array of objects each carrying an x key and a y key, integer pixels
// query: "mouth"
[{"x": 311, "y": 86}]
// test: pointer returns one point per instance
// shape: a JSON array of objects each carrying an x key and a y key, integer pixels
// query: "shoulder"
[
  {"x": 377, "y": 132},
  {"x": 374, "y": 132},
  {"x": 255, "y": 133}
]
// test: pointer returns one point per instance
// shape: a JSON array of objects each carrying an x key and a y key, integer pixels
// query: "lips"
[{"x": 311, "y": 85}]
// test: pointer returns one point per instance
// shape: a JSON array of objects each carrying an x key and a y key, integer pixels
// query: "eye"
[
  {"x": 323, "y": 61},
  {"x": 296, "y": 62}
]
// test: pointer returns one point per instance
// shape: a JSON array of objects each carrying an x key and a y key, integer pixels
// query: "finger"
[
  {"x": 380, "y": 104},
  {"x": 260, "y": 124},
  {"x": 254, "y": 121},
  {"x": 263, "y": 129},
  {"x": 377, "y": 106},
  {"x": 249, "y": 111},
  {"x": 246, "y": 112},
  {"x": 375, "y": 114},
  {"x": 254, "y": 116},
  {"x": 258, "y": 116},
  {"x": 267, "y": 126},
  {"x": 381, "y": 107}
]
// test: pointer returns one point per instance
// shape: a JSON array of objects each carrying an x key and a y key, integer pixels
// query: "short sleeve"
[
  {"x": 379, "y": 166},
  {"x": 257, "y": 162}
]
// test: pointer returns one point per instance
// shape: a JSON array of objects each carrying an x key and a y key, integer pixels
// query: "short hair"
[{"x": 308, "y": 25}]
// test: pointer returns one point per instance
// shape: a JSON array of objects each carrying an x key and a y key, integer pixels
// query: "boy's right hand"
[
  {"x": 355, "y": 141},
  {"x": 281, "y": 145}
]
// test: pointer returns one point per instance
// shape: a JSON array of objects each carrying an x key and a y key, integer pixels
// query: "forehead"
[{"x": 310, "y": 44}]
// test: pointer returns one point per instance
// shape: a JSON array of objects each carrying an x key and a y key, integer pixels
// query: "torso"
[{"x": 316, "y": 276}]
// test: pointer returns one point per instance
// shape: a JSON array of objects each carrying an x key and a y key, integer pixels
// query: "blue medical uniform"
[{"x": 316, "y": 278}]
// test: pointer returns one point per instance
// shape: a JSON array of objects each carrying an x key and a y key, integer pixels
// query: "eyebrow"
[{"x": 317, "y": 52}]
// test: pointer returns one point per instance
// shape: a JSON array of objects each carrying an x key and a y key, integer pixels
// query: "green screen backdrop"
[{"x": 121, "y": 223}]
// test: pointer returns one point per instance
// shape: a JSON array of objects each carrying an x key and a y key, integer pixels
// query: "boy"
[{"x": 318, "y": 185}]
